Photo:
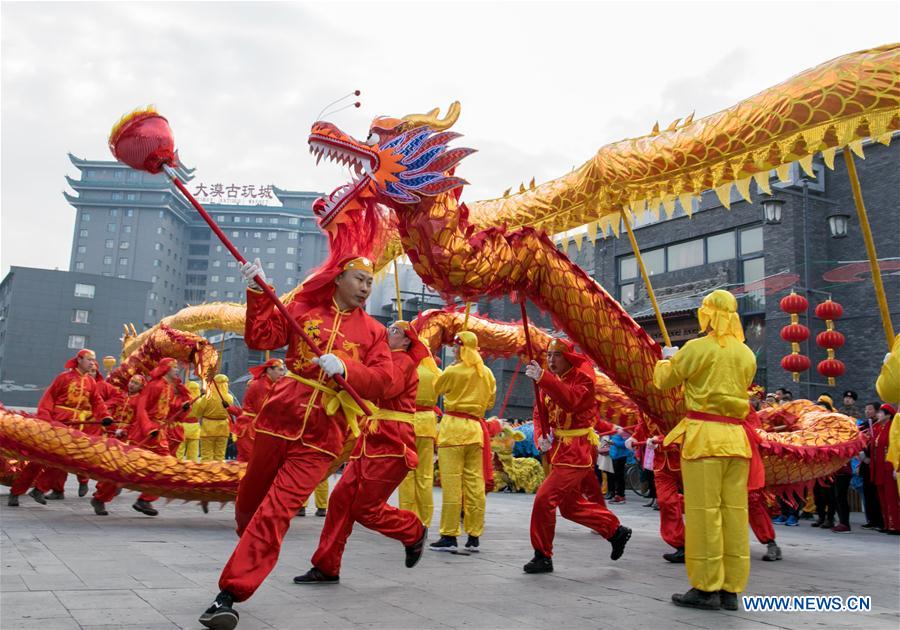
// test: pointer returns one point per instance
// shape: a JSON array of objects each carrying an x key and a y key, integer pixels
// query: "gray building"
[
  {"x": 760, "y": 262},
  {"x": 46, "y": 317},
  {"x": 131, "y": 224}
]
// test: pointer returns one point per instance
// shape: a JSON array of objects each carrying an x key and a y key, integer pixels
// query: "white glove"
[
  {"x": 629, "y": 444},
  {"x": 120, "y": 433},
  {"x": 886, "y": 357},
  {"x": 250, "y": 270},
  {"x": 669, "y": 351},
  {"x": 533, "y": 371},
  {"x": 330, "y": 364},
  {"x": 544, "y": 443}
]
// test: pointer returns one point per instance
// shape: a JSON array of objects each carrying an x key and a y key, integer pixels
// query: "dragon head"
[{"x": 402, "y": 160}]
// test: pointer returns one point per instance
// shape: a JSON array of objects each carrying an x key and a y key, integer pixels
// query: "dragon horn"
[{"x": 431, "y": 118}]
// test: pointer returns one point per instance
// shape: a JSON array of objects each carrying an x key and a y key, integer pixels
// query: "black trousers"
[
  {"x": 841, "y": 501},
  {"x": 619, "y": 476},
  {"x": 871, "y": 503},
  {"x": 647, "y": 477},
  {"x": 824, "y": 497}
]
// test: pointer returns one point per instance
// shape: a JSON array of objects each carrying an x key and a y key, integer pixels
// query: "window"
[
  {"x": 85, "y": 217},
  {"x": 151, "y": 312},
  {"x": 293, "y": 221},
  {"x": 76, "y": 342},
  {"x": 109, "y": 243},
  {"x": 126, "y": 229},
  {"x": 129, "y": 212},
  {"x": 229, "y": 278},
  {"x": 114, "y": 212},
  {"x": 107, "y": 260},
  {"x": 157, "y": 247},
  {"x": 754, "y": 271},
  {"x": 233, "y": 235},
  {"x": 132, "y": 196},
  {"x": 214, "y": 278},
  {"x": 79, "y": 266},
  {"x": 290, "y": 250},
  {"x": 255, "y": 250},
  {"x": 83, "y": 233},
  {"x": 720, "y": 247},
  {"x": 270, "y": 250},
  {"x": 117, "y": 174},
  {"x": 684, "y": 255},
  {"x": 292, "y": 236},
  {"x": 257, "y": 235},
  {"x": 108, "y": 274},
  {"x": 237, "y": 219},
  {"x": 289, "y": 281},
  {"x": 213, "y": 294},
  {"x": 198, "y": 250},
  {"x": 270, "y": 265},
  {"x": 229, "y": 294},
  {"x": 117, "y": 195},
  {"x": 627, "y": 268},
  {"x": 274, "y": 220},
  {"x": 289, "y": 266},
  {"x": 159, "y": 230},
  {"x": 259, "y": 219},
  {"x": 82, "y": 249},
  {"x": 231, "y": 264},
  {"x": 271, "y": 236},
  {"x": 626, "y": 294},
  {"x": 152, "y": 295},
  {"x": 219, "y": 247},
  {"x": 217, "y": 263},
  {"x": 162, "y": 213},
  {"x": 84, "y": 290},
  {"x": 110, "y": 227},
  {"x": 124, "y": 245},
  {"x": 197, "y": 264},
  {"x": 157, "y": 262},
  {"x": 751, "y": 240},
  {"x": 220, "y": 218},
  {"x": 123, "y": 261}
]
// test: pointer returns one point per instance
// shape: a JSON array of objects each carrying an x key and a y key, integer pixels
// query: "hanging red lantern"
[
  {"x": 795, "y": 363},
  {"x": 795, "y": 333},
  {"x": 830, "y": 339}
]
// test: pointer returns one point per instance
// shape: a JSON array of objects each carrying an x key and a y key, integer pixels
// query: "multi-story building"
[
  {"x": 46, "y": 317},
  {"x": 132, "y": 224}
]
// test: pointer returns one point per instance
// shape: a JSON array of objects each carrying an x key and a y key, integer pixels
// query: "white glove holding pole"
[
  {"x": 330, "y": 364},
  {"x": 886, "y": 358},
  {"x": 533, "y": 371},
  {"x": 250, "y": 270},
  {"x": 544, "y": 443},
  {"x": 629, "y": 444},
  {"x": 669, "y": 351}
]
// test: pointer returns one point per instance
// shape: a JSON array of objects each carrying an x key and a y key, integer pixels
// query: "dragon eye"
[{"x": 373, "y": 139}]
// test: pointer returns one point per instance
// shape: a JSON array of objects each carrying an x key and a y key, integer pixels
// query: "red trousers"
[
  {"x": 279, "y": 479},
  {"x": 361, "y": 497},
  {"x": 25, "y": 479},
  {"x": 106, "y": 491},
  {"x": 671, "y": 506},
  {"x": 563, "y": 489},
  {"x": 889, "y": 499},
  {"x": 760, "y": 521},
  {"x": 245, "y": 447}
]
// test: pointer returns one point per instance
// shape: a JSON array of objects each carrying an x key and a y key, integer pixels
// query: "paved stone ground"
[{"x": 63, "y": 567}]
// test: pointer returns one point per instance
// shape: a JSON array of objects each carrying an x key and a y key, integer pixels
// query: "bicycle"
[{"x": 633, "y": 480}]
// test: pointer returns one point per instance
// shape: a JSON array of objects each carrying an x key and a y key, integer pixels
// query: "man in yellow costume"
[
  {"x": 189, "y": 448},
  {"x": 469, "y": 389},
  {"x": 417, "y": 490},
  {"x": 214, "y": 425},
  {"x": 321, "y": 495},
  {"x": 888, "y": 388},
  {"x": 716, "y": 452}
]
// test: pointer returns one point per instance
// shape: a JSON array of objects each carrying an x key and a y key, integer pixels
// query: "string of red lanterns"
[
  {"x": 830, "y": 339},
  {"x": 795, "y": 333}
]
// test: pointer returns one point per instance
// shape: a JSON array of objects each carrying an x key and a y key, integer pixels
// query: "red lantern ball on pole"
[
  {"x": 830, "y": 339},
  {"x": 829, "y": 310},
  {"x": 831, "y": 368},
  {"x": 795, "y": 363},
  {"x": 795, "y": 333},
  {"x": 794, "y": 304}
]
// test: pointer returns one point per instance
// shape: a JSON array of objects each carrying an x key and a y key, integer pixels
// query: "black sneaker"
[
  {"x": 818, "y": 523},
  {"x": 321, "y": 512},
  {"x": 445, "y": 543},
  {"x": 221, "y": 615},
  {"x": 869, "y": 526},
  {"x": 695, "y": 598},
  {"x": 828, "y": 524},
  {"x": 314, "y": 576},
  {"x": 82, "y": 489},
  {"x": 728, "y": 601},
  {"x": 414, "y": 551},
  {"x": 145, "y": 507},
  {"x": 773, "y": 552},
  {"x": 99, "y": 507},
  {"x": 301, "y": 511},
  {"x": 472, "y": 544},
  {"x": 38, "y": 496},
  {"x": 13, "y": 500},
  {"x": 539, "y": 564},
  {"x": 204, "y": 505},
  {"x": 618, "y": 541},
  {"x": 676, "y": 556},
  {"x": 56, "y": 495}
]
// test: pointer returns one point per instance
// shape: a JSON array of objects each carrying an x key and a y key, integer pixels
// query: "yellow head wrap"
[
  {"x": 193, "y": 387},
  {"x": 219, "y": 389},
  {"x": 718, "y": 315},
  {"x": 468, "y": 350}
]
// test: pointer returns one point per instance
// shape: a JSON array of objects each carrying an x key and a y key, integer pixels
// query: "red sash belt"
[
  {"x": 757, "y": 476},
  {"x": 487, "y": 456}
]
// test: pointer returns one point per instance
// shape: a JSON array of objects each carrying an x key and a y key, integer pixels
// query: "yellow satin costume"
[
  {"x": 888, "y": 388},
  {"x": 189, "y": 448},
  {"x": 214, "y": 424},
  {"x": 716, "y": 372}
]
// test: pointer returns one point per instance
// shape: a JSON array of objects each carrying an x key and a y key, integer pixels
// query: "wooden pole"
[{"x": 646, "y": 277}]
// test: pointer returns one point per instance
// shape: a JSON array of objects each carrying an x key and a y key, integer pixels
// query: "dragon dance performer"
[
  {"x": 321, "y": 498},
  {"x": 888, "y": 388},
  {"x": 263, "y": 379},
  {"x": 71, "y": 399},
  {"x": 417, "y": 490},
  {"x": 883, "y": 470},
  {"x": 124, "y": 413},
  {"x": 381, "y": 459},
  {"x": 717, "y": 452},
  {"x": 189, "y": 448},
  {"x": 567, "y": 389},
  {"x": 303, "y": 425},
  {"x": 464, "y": 447},
  {"x": 214, "y": 420}
]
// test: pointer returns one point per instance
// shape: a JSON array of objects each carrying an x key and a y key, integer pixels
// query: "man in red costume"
[
  {"x": 124, "y": 412},
  {"x": 305, "y": 421},
  {"x": 71, "y": 399},
  {"x": 381, "y": 459},
  {"x": 264, "y": 378},
  {"x": 567, "y": 390},
  {"x": 882, "y": 470}
]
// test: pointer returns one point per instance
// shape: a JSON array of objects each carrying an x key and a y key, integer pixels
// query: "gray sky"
[{"x": 543, "y": 85}]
